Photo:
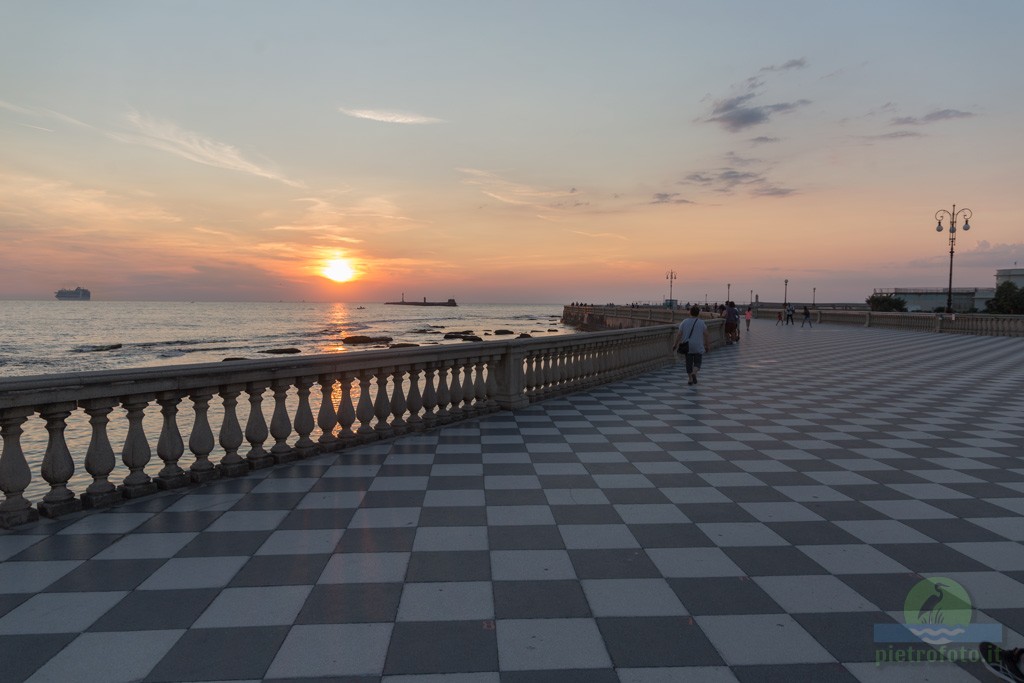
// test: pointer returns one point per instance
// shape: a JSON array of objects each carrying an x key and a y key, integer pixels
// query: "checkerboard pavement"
[{"x": 754, "y": 528}]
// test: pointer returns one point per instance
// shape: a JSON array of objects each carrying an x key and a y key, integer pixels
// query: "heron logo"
[{"x": 937, "y": 610}]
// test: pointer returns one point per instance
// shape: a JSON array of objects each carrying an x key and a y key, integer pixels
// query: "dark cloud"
[
  {"x": 773, "y": 191},
  {"x": 669, "y": 198},
  {"x": 764, "y": 140},
  {"x": 735, "y": 117},
  {"x": 933, "y": 117},
  {"x": 896, "y": 135},
  {"x": 791, "y": 64},
  {"x": 729, "y": 180}
]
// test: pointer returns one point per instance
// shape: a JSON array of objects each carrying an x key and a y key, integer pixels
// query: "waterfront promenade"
[{"x": 755, "y": 527}]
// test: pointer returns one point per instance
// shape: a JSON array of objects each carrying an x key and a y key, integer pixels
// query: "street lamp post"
[
  {"x": 670, "y": 276},
  {"x": 814, "y": 296},
  {"x": 728, "y": 291},
  {"x": 785, "y": 293},
  {"x": 952, "y": 215}
]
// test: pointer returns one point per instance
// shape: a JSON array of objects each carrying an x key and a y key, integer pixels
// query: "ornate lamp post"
[
  {"x": 785, "y": 293},
  {"x": 814, "y": 296},
  {"x": 728, "y": 291},
  {"x": 670, "y": 276},
  {"x": 952, "y": 215}
]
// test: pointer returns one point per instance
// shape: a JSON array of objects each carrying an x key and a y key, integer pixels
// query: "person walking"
[
  {"x": 778, "y": 318},
  {"x": 790, "y": 310},
  {"x": 807, "y": 317},
  {"x": 732, "y": 323},
  {"x": 748, "y": 315},
  {"x": 694, "y": 333}
]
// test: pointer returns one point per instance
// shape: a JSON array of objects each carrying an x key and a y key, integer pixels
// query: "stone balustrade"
[
  {"x": 269, "y": 411},
  {"x": 623, "y": 317},
  {"x": 961, "y": 323}
]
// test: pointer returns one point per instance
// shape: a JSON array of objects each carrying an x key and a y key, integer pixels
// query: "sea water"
[{"x": 46, "y": 337}]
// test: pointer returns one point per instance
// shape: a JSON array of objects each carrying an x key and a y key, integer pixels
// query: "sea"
[{"x": 47, "y": 337}]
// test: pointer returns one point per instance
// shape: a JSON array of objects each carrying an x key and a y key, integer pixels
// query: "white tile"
[
  {"x": 367, "y": 518},
  {"x": 12, "y": 545},
  {"x": 217, "y": 502},
  {"x": 517, "y": 515},
  {"x": 365, "y": 568},
  {"x": 301, "y": 542},
  {"x": 727, "y": 534},
  {"x": 285, "y": 485},
  {"x": 693, "y": 562},
  {"x": 326, "y": 650},
  {"x": 255, "y": 606},
  {"x": 109, "y": 523},
  {"x": 531, "y": 565},
  {"x": 454, "y": 498},
  {"x": 853, "y": 559},
  {"x": 681, "y": 674},
  {"x": 632, "y": 598},
  {"x": 330, "y": 500},
  {"x": 597, "y": 536},
  {"x": 883, "y": 531},
  {"x": 575, "y": 497},
  {"x": 446, "y": 601},
  {"x": 248, "y": 520},
  {"x": 1002, "y": 555},
  {"x": 536, "y": 644},
  {"x": 142, "y": 546},
  {"x": 58, "y": 612},
  {"x": 450, "y": 538},
  {"x": 32, "y": 577},
  {"x": 194, "y": 572},
  {"x": 759, "y": 639},
  {"x": 813, "y": 594},
  {"x": 89, "y": 659},
  {"x": 658, "y": 513}
]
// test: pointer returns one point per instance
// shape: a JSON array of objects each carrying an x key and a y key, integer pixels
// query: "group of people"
[{"x": 790, "y": 310}]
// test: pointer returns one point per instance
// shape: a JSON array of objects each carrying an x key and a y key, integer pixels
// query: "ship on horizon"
[
  {"x": 403, "y": 302},
  {"x": 76, "y": 294}
]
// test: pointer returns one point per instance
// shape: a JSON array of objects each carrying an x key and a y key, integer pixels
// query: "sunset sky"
[{"x": 522, "y": 151}]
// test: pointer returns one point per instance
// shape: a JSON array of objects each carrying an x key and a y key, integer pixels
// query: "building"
[{"x": 1014, "y": 275}]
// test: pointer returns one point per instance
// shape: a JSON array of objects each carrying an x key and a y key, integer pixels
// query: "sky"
[{"x": 526, "y": 151}]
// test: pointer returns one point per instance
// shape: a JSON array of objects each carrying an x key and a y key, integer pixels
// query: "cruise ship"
[{"x": 76, "y": 294}]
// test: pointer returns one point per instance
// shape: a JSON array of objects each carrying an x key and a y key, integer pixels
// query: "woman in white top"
[{"x": 694, "y": 331}]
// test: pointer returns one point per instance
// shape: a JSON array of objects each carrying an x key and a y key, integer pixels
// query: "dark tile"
[
  {"x": 296, "y": 470},
  {"x": 9, "y": 601},
  {"x": 155, "y": 610},
  {"x": 670, "y": 536},
  {"x": 393, "y": 499},
  {"x": 1012, "y": 619},
  {"x": 377, "y": 540},
  {"x": 216, "y": 488},
  {"x": 723, "y": 595},
  {"x": 870, "y": 492},
  {"x": 511, "y": 468},
  {"x": 22, "y": 655},
  {"x": 952, "y": 530},
  {"x": 611, "y": 468},
  {"x": 515, "y": 497},
  {"x": 567, "y": 481},
  {"x": 985, "y": 490},
  {"x": 561, "y": 676},
  {"x": 228, "y": 654},
  {"x": 644, "y": 496},
  {"x": 460, "y": 565},
  {"x": 753, "y": 494},
  {"x": 527, "y": 537},
  {"x": 711, "y": 466},
  {"x": 332, "y": 518},
  {"x": 66, "y": 547},
  {"x": 155, "y": 503},
  {"x": 613, "y": 564},
  {"x": 327, "y": 484},
  {"x": 848, "y": 636},
  {"x": 894, "y": 476},
  {"x": 106, "y": 575},
  {"x": 843, "y": 510},
  {"x": 539, "y": 600},
  {"x": 178, "y": 522},
  {"x": 453, "y": 458},
  {"x": 793, "y": 673},
  {"x": 773, "y": 561},
  {"x": 453, "y": 516},
  {"x": 786, "y": 478},
  {"x": 439, "y": 647},
  {"x": 223, "y": 543},
  {"x": 887, "y": 591},
  {"x": 972, "y": 508},
  {"x": 269, "y": 501},
  {"x": 351, "y": 603},
  {"x": 715, "y": 512},
  {"x": 281, "y": 570},
  {"x": 817, "y": 465},
  {"x": 387, "y": 470},
  {"x": 930, "y": 557},
  {"x": 585, "y": 514},
  {"x": 563, "y": 457},
  {"x": 657, "y": 642},
  {"x": 455, "y": 483}
]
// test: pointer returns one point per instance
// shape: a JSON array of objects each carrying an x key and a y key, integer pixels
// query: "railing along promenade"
[
  {"x": 343, "y": 399},
  {"x": 620, "y": 317}
]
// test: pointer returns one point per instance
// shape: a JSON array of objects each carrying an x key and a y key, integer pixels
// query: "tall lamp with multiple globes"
[
  {"x": 952, "y": 216},
  {"x": 670, "y": 276}
]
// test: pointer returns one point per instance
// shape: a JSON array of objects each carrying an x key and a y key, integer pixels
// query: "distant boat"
[
  {"x": 403, "y": 302},
  {"x": 76, "y": 294}
]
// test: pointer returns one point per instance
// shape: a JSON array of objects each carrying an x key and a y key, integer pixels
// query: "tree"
[
  {"x": 886, "y": 302},
  {"x": 1009, "y": 299}
]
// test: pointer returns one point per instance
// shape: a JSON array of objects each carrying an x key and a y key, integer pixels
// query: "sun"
[{"x": 339, "y": 270}]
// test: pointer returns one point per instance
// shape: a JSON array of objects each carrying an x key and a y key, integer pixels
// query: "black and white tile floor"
[{"x": 754, "y": 527}]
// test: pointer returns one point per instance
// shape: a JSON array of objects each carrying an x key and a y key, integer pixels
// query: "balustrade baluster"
[
  {"x": 531, "y": 376},
  {"x": 231, "y": 465},
  {"x": 326, "y": 417},
  {"x": 468, "y": 389},
  {"x": 398, "y": 402},
  {"x": 58, "y": 467},
  {"x": 304, "y": 446},
  {"x": 169, "y": 446},
  {"x": 382, "y": 406},
  {"x": 364, "y": 410},
  {"x": 346, "y": 413},
  {"x": 256, "y": 432},
  {"x": 455, "y": 392},
  {"x": 480, "y": 388},
  {"x": 15, "y": 475},
  {"x": 99, "y": 455},
  {"x": 200, "y": 441},
  {"x": 492, "y": 383},
  {"x": 136, "y": 453},
  {"x": 415, "y": 401},
  {"x": 429, "y": 397},
  {"x": 280, "y": 425},
  {"x": 443, "y": 394}
]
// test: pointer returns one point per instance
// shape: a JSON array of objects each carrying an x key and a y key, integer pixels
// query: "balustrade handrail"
[{"x": 380, "y": 393}]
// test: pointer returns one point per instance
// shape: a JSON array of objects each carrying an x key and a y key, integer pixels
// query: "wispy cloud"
[
  {"x": 601, "y": 235},
  {"x": 932, "y": 117},
  {"x": 171, "y": 138},
  {"x": 669, "y": 198},
  {"x": 764, "y": 140},
  {"x": 510, "y": 192},
  {"x": 739, "y": 112},
  {"x": 728, "y": 180},
  {"x": 389, "y": 116},
  {"x": 42, "y": 112},
  {"x": 786, "y": 66},
  {"x": 896, "y": 135}
]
